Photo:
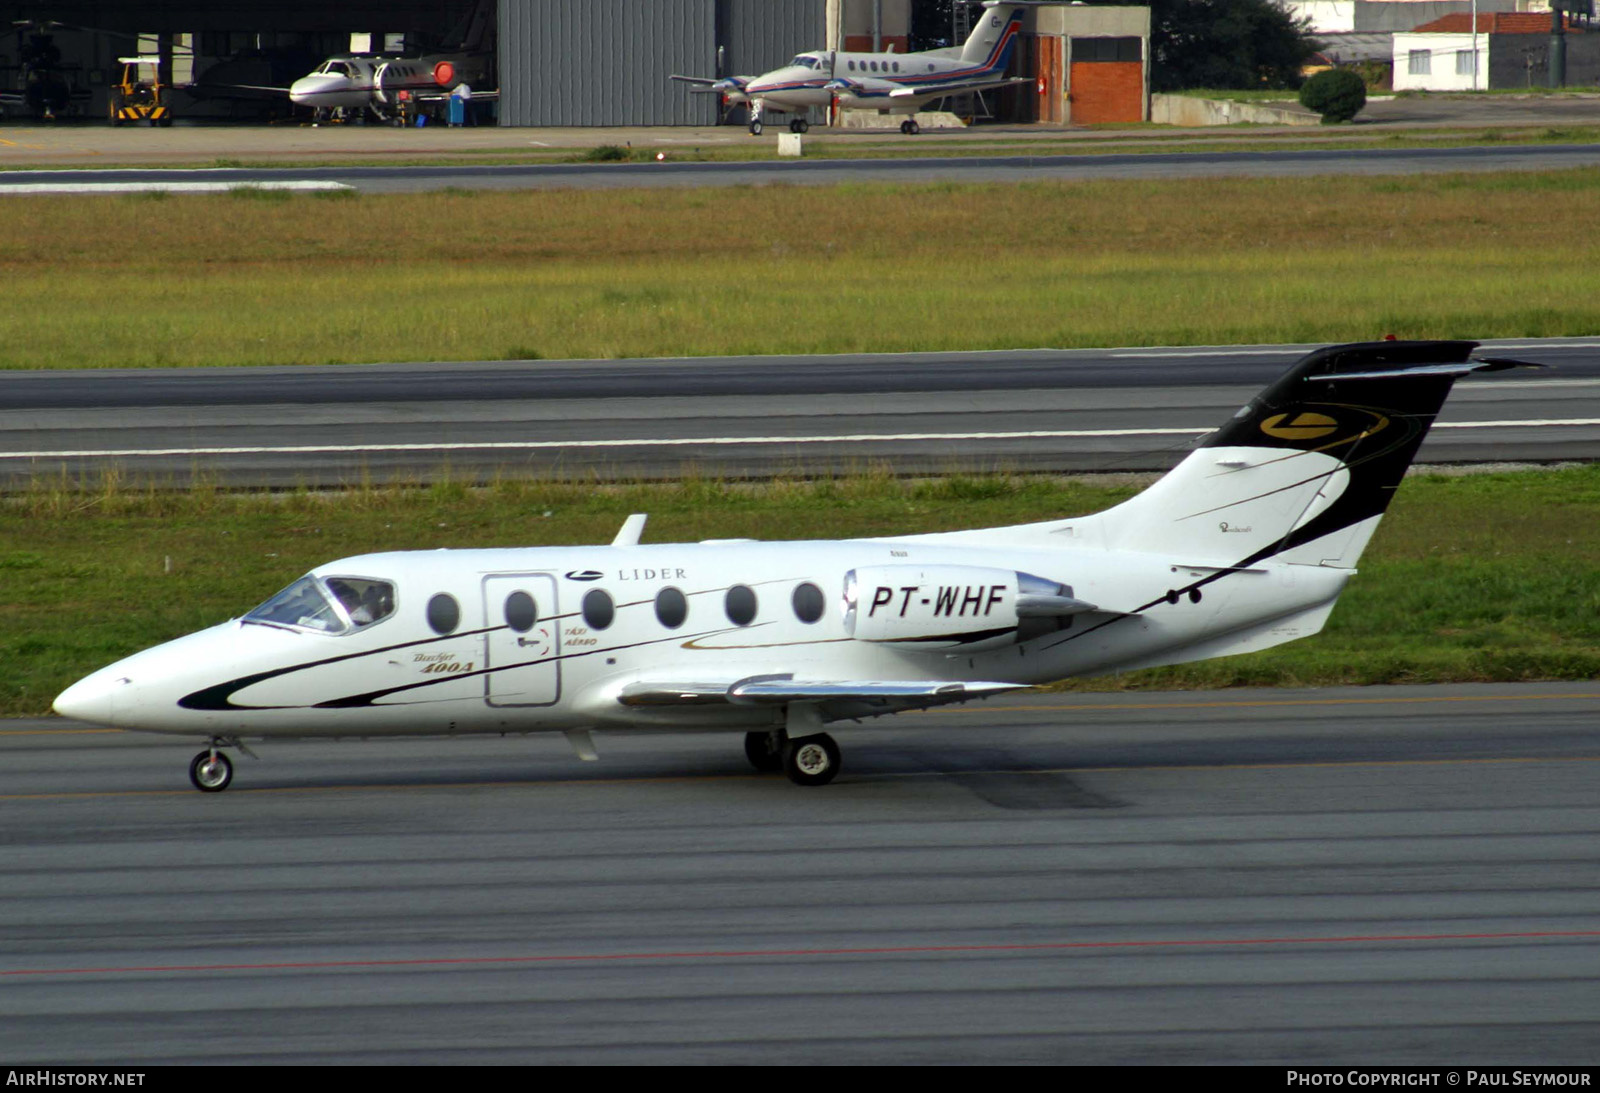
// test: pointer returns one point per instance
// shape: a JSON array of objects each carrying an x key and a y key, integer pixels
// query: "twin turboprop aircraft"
[
  {"x": 1246, "y": 544},
  {"x": 896, "y": 83}
]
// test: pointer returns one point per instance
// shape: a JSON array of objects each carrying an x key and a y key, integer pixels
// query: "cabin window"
[
  {"x": 808, "y": 602},
  {"x": 852, "y": 66},
  {"x": 740, "y": 604},
  {"x": 671, "y": 608},
  {"x": 897, "y": 66},
  {"x": 521, "y": 612},
  {"x": 364, "y": 601},
  {"x": 444, "y": 613},
  {"x": 598, "y": 610}
]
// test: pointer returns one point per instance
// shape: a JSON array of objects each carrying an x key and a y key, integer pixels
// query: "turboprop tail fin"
[
  {"x": 994, "y": 36},
  {"x": 1304, "y": 471}
]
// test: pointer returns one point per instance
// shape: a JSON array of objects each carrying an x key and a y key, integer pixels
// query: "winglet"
[{"x": 631, "y": 530}]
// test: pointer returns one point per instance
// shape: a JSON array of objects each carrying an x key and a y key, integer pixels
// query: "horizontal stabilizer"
[{"x": 1460, "y": 368}]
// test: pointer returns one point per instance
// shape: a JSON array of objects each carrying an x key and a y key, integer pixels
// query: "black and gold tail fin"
[{"x": 1303, "y": 471}]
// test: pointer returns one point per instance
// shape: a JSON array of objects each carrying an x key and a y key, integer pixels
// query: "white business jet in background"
[
  {"x": 1246, "y": 544},
  {"x": 377, "y": 84},
  {"x": 898, "y": 83}
]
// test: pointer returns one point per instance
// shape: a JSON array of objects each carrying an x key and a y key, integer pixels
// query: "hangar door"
[{"x": 1107, "y": 80}]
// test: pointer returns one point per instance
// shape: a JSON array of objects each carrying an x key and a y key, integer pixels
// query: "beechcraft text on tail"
[{"x": 1246, "y": 544}]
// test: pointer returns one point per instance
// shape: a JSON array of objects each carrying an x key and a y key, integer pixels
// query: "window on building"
[
  {"x": 1464, "y": 59},
  {"x": 1420, "y": 62}
]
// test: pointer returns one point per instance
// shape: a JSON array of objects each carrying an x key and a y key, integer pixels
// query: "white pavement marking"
[
  {"x": 167, "y": 187},
  {"x": 678, "y": 442}
]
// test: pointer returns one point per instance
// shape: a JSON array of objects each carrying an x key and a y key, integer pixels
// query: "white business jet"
[
  {"x": 378, "y": 84},
  {"x": 1246, "y": 544},
  {"x": 897, "y": 83}
]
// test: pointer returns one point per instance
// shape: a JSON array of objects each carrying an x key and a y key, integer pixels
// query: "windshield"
[
  {"x": 331, "y": 607},
  {"x": 805, "y": 60}
]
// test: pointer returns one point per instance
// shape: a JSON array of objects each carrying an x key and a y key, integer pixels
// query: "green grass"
[
  {"x": 270, "y": 278},
  {"x": 1483, "y": 577}
]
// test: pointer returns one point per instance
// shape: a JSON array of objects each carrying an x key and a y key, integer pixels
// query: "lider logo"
[
  {"x": 1306, "y": 425},
  {"x": 1299, "y": 426}
]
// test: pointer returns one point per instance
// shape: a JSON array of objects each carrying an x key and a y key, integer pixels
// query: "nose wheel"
[{"x": 211, "y": 771}]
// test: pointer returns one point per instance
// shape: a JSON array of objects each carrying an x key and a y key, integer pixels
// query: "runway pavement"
[
  {"x": 1349, "y": 876},
  {"x": 1039, "y": 410},
  {"x": 1274, "y": 162}
]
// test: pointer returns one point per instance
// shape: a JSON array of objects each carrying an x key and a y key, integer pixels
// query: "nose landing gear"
[{"x": 211, "y": 771}]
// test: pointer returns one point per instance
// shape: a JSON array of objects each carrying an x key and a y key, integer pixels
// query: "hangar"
[{"x": 559, "y": 62}]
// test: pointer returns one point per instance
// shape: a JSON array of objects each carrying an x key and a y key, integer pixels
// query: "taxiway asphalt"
[{"x": 1373, "y": 875}]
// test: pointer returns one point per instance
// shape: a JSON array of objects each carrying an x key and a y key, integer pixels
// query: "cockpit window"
[
  {"x": 303, "y": 605},
  {"x": 331, "y": 607},
  {"x": 805, "y": 60},
  {"x": 335, "y": 68}
]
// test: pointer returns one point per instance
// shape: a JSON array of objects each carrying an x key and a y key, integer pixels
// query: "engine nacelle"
[{"x": 954, "y": 606}]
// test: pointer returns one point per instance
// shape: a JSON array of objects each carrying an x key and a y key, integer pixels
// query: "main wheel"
[
  {"x": 910, "y": 127},
  {"x": 762, "y": 755},
  {"x": 811, "y": 760},
  {"x": 755, "y": 127},
  {"x": 210, "y": 775},
  {"x": 799, "y": 125}
]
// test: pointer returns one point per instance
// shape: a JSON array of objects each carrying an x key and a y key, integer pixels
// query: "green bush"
[{"x": 1338, "y": 94}]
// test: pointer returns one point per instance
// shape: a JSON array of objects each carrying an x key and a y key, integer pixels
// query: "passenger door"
[{"x": 522, "y": 640}]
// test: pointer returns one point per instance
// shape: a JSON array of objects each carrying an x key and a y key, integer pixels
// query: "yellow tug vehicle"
[{"x": 140, "y": 95}]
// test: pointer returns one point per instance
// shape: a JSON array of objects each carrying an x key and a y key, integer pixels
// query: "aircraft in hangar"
[
  {"x": 378, "y": 84},
  {"x": 1245, "y": 544},
  {"x": 898, "y": 83}
]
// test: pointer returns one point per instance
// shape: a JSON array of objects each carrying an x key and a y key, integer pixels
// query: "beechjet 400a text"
[{"x": 1246, "y": 544}]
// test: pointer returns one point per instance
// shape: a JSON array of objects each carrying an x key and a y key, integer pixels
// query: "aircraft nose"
[
  {"x": 93, "y": 698},
  {"x": 307, "y": 86}
]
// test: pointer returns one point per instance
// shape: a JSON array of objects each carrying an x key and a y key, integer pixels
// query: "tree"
[
  {"x": 1193, "y": 43},
  {"x": 1338, "y": 94},
  {"x": 1226, "y": 43}
]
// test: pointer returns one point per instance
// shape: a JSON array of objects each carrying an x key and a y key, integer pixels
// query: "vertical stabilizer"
[
  {"x": 994, "y": 36},
  {"x": 1304, "y": 471}
]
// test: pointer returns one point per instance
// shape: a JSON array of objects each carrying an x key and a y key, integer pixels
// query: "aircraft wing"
[
  {"x": 840, "y": 697},
  {"x": 441, "y": 96},
  {"x": 704, "y": 80},
  {"x": 934, "y": 91}
]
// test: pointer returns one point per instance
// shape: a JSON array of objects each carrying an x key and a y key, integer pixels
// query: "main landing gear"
[
  {"x": 910, "y": 127},
  {"x": 807, "y": 760},
  {"x": 808, "y": 756},
  {"x": 799, "y": 125}
]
